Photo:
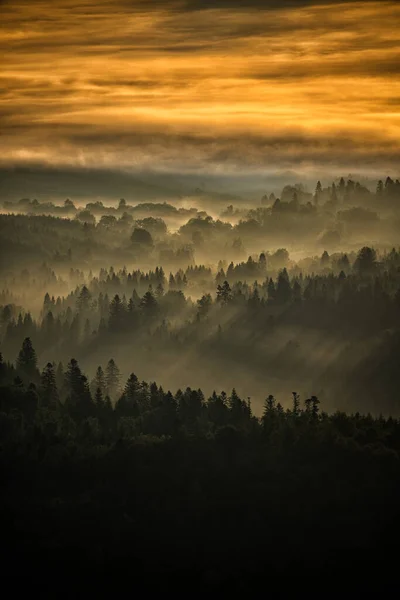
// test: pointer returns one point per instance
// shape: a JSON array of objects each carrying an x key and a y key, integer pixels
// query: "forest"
[{"x": 202, "y": 396}]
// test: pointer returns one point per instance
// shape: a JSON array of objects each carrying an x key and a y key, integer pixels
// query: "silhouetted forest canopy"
[{"x": 149, "y": 357}]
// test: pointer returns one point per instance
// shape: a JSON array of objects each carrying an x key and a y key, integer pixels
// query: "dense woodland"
[
  {"x": 232, "y": 480},
  {"x": 187, "y": 488}
]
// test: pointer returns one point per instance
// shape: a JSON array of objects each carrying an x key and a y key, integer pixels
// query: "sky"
[{"x": 201, "y": 86}]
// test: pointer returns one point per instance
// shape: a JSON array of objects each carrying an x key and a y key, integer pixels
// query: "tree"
[
  {"x": 153, "y": 225},
  {"x": 99, "y": 400},
  {"x": 334, "y": 197},
  {"x": 389, "y": 183},
  {"x": 379, "y": 188},
  {"x": 116, "y": 320},
  {"x": 113, "y": 378},
  {"x": 129, "y": 403},
  {"x": 238, "y": 409},
  {"x": 204, "y": 305},
  {"x": 142, "y": 237},
  {"x": 283, "y": 289},
  {"x": 149, "y": 304},
  {"x": 99, "y": 382},
  {"x": 296, "y": 404},
  {"x": 365, "y": 262},
  {"x": 190, "y": 407},
  {"x": 224, "y": 293},
  {"x": 83, "y": 300},
  {"x": 268, "y": 412},
  {"x": 79, "y": 401},
  {"x": 314, "y": 406},
  {"x": 27, "y": 360},
  {"x": 60, "y": 376},
  {"x": 49, "y": 391},
  {"x": 159, "y": 290},
  {"x": 297, "y": 291},
  {"x": 325, "y": 259},
  {"x": 271, "y": 290},
  {"x": 344, "y": 263},
  {"x": 217, "y": 410},
  {"x": 108, "y": 221},
  {"x": 269, "y": 405}
]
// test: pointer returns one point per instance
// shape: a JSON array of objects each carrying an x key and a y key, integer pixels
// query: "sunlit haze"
[{"x": 209, "y": 86}]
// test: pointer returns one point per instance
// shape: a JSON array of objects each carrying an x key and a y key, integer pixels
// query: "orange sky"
[{"x": 272, "y": 85}]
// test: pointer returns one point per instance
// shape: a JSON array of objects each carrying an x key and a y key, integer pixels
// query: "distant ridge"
[{"x": 48, "y": 183}]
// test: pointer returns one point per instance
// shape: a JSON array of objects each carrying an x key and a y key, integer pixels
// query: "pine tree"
[
  {"x": 27, "y": 360},
  {"x": 271, "y": 290},
  {"x": 334, "y": 197},
  {"x": 217, "y": 410},
  {"x": 98, "y": 382},
  {"x": 49, "y": 391},
  {"x": 224, "y": 293},
  {"x": 149, "y": 304},
  {"x": 113, "y": 378},
  {"x": 155, "y": 396},
  {"x": 342, "y": 188},
  {"x": 86, "y": 330},
  {"x": 325, "y": 259},
  {"x": 235, "y": 407},
  {"x": 296, "y": 404},
  {"x": 269, "y": 405},
  {"x": 130, "y": 402},
  {"x": 314, "y": 406},
  {"x": 116, "y": 321},
  {"x": 79, "y": 400},
  {"x": 283, "y": 289},
  {"x": 159, "y": 290},
  {"x": 204, "y": 305},
  {"x": 99, "y": 400},
  {"x": 262, "y": 262},
  {"x": 60, "y": 376},
  {"x": 83, "y": 300}
]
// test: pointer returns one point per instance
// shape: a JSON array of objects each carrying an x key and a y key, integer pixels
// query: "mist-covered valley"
[
  {"x": 296, "y": 291},
  {"x": 200, "y": 298}
]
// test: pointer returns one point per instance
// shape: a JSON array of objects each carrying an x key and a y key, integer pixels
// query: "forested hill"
[{"x": 175, "y": 492}]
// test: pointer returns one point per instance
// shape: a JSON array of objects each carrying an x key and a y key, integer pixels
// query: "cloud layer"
[{"x": 204, "y": 85}]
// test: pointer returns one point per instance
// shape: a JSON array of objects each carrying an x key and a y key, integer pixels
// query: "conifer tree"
[
  {"x": 49, "y": 391},
  {"x": 113, "y": 378},
  {"x": 27, "y": 360},
  {"x": 296, "y": 404}
]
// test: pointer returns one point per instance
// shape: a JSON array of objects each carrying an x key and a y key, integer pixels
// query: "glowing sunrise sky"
[{"x": 200, "y": 85}]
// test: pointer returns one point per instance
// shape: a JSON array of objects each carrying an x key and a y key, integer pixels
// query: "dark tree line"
[{"x": 179, "y": 490}]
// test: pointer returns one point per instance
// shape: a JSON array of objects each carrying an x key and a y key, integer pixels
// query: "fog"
[{"x": 142, "y": 281}]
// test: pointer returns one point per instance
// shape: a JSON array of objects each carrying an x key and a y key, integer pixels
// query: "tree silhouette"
[
  {"x": 283, "y": 289},
  {"x": 49, "y": 391},
  {"x": 27, "y": 360},
  {"x": 78, "y": 401},
  {"x": 113, "y": 379},
  {"x": 142, "y": 237},
  {"x": 365, "y": 262},
  {"x": 99, "y": 382},
  {"x": 224, "y": 293}
]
